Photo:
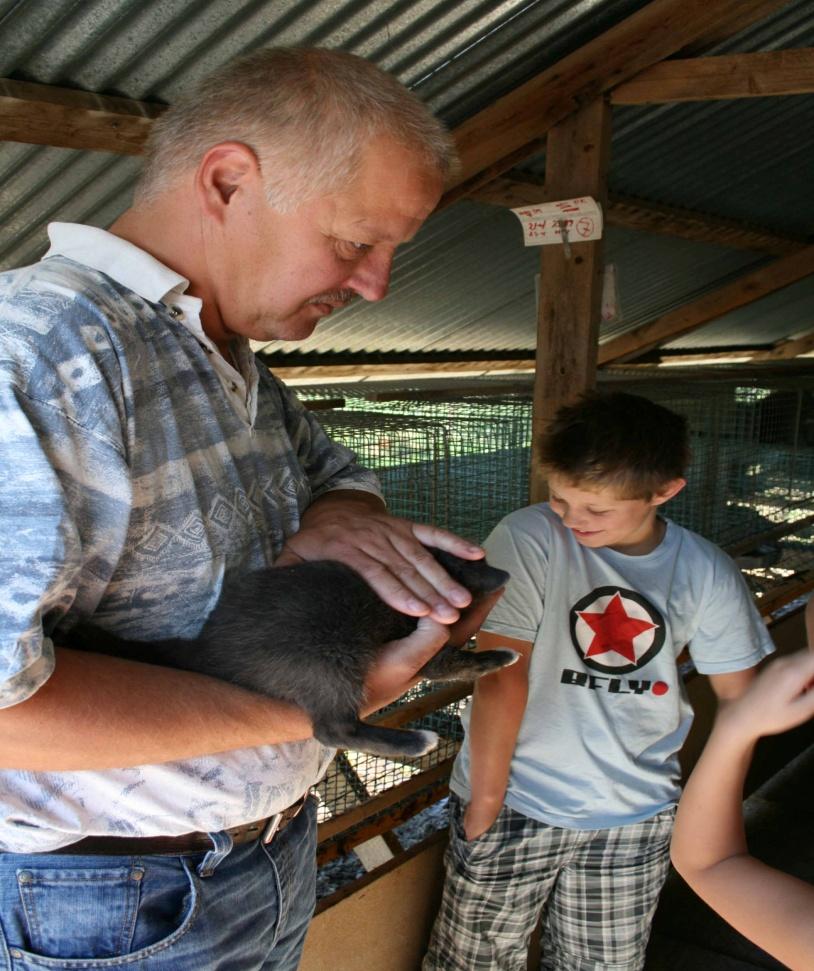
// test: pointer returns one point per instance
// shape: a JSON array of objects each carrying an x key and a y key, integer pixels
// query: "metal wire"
[{"x": 463, "y": 463}]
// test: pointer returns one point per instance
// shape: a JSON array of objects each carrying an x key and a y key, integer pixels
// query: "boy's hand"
[
  {"x": 478, "y": 817},
  {"x": 387, "y": 551},
  {"x": 780, "y": 698}
]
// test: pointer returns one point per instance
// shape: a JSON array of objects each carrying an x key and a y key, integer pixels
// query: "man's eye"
[{"x": 350, "y": 249}]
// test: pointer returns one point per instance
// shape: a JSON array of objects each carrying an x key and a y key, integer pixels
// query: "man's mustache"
[{"x": 336, "y": 298}]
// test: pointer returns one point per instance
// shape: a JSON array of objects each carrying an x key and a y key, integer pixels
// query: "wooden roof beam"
[
  {"x": 787, "y": 349},
  {"x": 741, "y": 292},
  {"x": 755, "y": 75},
  {"x": 513, "y": 127},
  {"x": 638, "y": 214},
  {"x": 784, "y": 350},
  {"x": 44, "y": 115},
  {"x": 719, "y": 33},
  {"x": 491, "y": 142}
]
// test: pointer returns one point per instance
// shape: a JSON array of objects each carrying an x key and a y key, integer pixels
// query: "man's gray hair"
[{"x": 307, "y": 113}]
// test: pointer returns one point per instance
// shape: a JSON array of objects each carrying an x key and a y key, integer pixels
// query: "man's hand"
[
  {"x": 354, "y": 528},
  {"x": 400, "y": 661}
]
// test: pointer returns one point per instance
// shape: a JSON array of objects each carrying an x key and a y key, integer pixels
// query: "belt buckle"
[
  {"x": 271, "y": 828},
  {"x": 274, "y": 822}
]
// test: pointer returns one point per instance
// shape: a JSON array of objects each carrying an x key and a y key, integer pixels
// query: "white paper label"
[{"x": 569, "y": 220}]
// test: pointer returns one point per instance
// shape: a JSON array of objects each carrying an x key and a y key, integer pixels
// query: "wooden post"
[{"x": 569, "y": 306}]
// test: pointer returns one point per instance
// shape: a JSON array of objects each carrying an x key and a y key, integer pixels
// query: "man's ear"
[
  {"x": 226, "y": 169},
  {"x": 667, "y": 491}
]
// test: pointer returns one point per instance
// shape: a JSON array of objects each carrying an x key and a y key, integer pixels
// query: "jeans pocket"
[
  {"x": 95, "y": 912},
  {"x": 83, "y": 912}
]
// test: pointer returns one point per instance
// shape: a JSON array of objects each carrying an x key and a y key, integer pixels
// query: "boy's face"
[{"x": 598, "y": 517}]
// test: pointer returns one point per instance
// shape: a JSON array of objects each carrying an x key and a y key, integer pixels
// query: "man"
[{"x": 145, "y": 455}]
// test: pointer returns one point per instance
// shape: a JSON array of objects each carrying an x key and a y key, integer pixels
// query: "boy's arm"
[
  {"x": 709, "y": 849},
  {"x": 730, "y": 686},
  {"x": 809, "y": 618},
  {"x": 498, "y": 705}
]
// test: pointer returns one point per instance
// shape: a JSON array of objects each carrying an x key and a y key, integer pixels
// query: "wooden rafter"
[
  {"x": 638, "y": 214},
  {"x": 718, "y": 33},
  {"x": 44, "y": 115},
  {"x": 355, "y": 372},
  {"x": 489, "y": 143},
  {"x": 755, "y": 75},
  {"x": 787, "y": 349},
  {"x": 746, "y": 289},
  {"x": 514, "y": 127}
]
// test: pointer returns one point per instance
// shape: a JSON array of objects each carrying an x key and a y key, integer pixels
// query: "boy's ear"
[{"x": 667, "y": 491}]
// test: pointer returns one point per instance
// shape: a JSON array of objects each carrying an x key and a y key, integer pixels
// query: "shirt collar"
[{"x": 124, "y": 262}]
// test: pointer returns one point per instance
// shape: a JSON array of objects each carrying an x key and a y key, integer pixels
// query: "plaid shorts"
[{"x": 597, "y": 889}]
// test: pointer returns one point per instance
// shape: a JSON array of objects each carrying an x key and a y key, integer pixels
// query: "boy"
[{"x": 564, "y": 792}]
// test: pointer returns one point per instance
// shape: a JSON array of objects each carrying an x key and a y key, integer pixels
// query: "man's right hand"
[{"x": 399, "y": 662}]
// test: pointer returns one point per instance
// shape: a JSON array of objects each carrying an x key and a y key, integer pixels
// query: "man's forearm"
[{"x": 98, "y": 712}]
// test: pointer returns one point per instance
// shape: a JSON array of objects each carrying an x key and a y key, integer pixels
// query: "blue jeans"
[{"x": 250, "y": 910}]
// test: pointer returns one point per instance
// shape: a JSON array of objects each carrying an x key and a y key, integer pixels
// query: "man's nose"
[{"x": 371, "y": 275}]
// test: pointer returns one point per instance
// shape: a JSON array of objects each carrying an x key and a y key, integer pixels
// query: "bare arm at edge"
[{"x": 709, "y": 848}]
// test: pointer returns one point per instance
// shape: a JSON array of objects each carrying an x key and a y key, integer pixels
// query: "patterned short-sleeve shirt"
[{"x": 137, "y": 469}]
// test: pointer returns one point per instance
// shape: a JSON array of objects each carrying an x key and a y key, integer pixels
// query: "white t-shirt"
[{"x": 607, "y": 711}]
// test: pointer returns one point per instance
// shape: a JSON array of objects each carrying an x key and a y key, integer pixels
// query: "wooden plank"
[
  {"x": 45, "y": 115},
  {"x": 513, "y": 127},
  {"x": 743, "y": 291},
  {"x": 570, "y": 277},
  {"x": 453, "y": 391},
  {"x": 788, "y": 349},
  {"x": 418, "y": 707},
  {"x": 740, "y": 20},
  {"x": 642, "y": 216},
  {"x": 398, "y": 814},
  {"x": 355, "y": 372},
  {"x": 384, "y": 801},
  {"x": 767, "y": 535},
  {"x": 756, "y": 75},
  {"x": 798, "y": 586}
]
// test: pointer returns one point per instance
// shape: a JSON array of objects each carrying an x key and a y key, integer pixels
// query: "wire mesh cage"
[
  {"x": 462, "y": 462},
  {"x": 485, "y": 446}
]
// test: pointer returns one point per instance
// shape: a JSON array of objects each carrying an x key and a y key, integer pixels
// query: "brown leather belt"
[{"x": 262, "y": 829}]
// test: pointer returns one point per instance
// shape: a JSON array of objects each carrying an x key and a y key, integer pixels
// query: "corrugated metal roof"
[{"x": 466, "y": 282}]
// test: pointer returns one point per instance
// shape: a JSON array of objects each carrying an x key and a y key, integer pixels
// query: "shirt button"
[{"x": 176, "y": 313}]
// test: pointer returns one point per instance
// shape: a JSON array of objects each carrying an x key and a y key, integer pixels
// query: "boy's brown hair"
[{"x": 617, "y": 440}]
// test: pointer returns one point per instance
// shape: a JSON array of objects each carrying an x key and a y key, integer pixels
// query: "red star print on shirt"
[{"x": 614, "y": 630}]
